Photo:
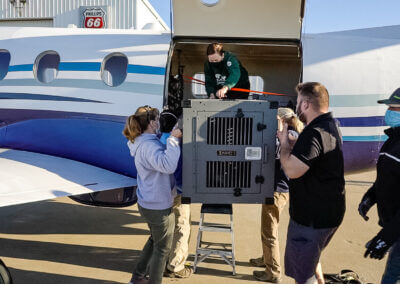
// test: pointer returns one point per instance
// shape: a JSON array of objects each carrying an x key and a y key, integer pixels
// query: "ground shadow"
[
  {"x": 226, "y": 274},
  {"x": 32, "y": 277},
  {"x": 52, "y": 217},
  {"x": 89, "y": 256},
  {"x": 218, "y": 260}
]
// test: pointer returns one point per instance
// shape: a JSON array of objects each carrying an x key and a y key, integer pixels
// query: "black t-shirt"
[{"x": 317, "y": 199}]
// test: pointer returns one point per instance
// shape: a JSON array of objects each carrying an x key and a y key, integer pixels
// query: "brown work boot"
[
  {"x": 183, "y": 273},
  {"x": 257, "y": 262},
  {"x": 262, "y": 276}
]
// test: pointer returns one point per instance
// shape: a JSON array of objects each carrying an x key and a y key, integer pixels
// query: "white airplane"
[{"x": 65, "y": 93}]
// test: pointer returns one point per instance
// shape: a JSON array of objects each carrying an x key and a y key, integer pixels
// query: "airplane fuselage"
[{"x": 79, "y": 116}]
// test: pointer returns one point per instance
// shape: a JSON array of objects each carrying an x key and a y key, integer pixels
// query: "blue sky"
[{"x": 332, "y": 15}]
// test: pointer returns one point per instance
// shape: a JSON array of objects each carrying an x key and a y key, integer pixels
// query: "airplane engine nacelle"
[{"x": 121, "y": 197}]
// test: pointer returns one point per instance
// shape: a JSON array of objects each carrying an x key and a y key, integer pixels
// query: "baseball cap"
[{"x": 393, "y": 100}]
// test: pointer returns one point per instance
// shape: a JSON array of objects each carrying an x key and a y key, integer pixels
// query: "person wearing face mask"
[
  {"x": 385, "y": 194},
  {"x": 155, "y": 165},
  {"x": 223, "y": 72},
  {"x": 315, "y": 169}
]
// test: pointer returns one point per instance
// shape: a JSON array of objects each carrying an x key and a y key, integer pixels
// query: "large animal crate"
[{"x": 229, "y": 151}]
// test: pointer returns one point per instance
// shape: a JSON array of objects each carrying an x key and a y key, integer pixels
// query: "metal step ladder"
[{"x": 206, "y": 249}]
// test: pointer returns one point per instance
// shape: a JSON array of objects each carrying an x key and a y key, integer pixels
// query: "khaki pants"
[
  {"x": 180, "y": 245},
  {"x": 269, "y": 233}
]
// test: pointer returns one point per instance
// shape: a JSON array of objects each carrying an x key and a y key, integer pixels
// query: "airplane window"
[
  {"x": 114, "y": 69},
  {"x": 199, "y": 91},
  {"x": 4, "y": 62},
  {"x": 46, "y": 65},
  {"x": 210, "y": 2}
]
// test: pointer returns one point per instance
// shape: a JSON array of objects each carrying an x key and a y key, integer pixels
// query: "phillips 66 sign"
[{"x": 93, "y": 17}]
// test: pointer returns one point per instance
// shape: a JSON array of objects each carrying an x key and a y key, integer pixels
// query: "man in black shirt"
[{"x": 316, "y": 171}]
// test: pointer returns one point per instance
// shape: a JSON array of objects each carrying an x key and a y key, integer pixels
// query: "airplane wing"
[{"x": 27, "y": 177}]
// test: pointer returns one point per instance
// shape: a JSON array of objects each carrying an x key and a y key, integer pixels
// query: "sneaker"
[
  {"x": 184, "y": 273},
  {"x": 257, "y": 262},
  {"x": 262, "y": 276}
]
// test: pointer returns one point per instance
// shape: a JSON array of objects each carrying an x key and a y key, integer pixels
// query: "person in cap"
[
  {"x": 385, "y": 193},
  {"x": 270, "y": 213},
  {"x": 223, "y": 71},
  {"x": 315, "y": 169}
]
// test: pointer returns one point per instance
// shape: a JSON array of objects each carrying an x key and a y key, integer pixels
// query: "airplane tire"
[{"x": 5, "y": 276}]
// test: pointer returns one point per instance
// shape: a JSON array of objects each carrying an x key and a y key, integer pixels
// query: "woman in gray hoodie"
[{"x": 155, "y": 165}]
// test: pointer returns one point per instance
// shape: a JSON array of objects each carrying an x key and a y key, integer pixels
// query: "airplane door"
[{"x": 266, "y": 19}]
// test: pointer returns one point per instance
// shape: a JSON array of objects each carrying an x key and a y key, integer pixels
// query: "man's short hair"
[{"x": 316, "y": 94}]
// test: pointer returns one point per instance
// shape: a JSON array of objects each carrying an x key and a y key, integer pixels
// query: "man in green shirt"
[{"x": 223, "y": 72}]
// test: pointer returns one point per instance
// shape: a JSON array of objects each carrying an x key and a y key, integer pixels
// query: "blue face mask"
[{"x": 392, "y": 118}]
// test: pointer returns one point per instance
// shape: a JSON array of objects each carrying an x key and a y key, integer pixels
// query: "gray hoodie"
[{"x": 155, "y": 165}]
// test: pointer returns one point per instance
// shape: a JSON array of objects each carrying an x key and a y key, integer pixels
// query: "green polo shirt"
[{"x": 229, "y": 72}]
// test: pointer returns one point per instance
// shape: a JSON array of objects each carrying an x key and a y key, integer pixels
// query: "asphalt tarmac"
[{"x": 61, "y": 241}]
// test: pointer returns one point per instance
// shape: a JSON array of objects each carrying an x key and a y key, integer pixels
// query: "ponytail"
[
  {"x": 137, "y": 123},
  {"x": 288, "y": 115},
  {"x": 132, "y": 128},
  {"x": 295, "y": 123}
]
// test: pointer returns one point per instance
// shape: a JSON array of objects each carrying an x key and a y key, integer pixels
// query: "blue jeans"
[{"x": 392, "y": 271}]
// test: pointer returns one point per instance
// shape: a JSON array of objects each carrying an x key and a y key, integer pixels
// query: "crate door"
[{"x": 220, "y": 153}]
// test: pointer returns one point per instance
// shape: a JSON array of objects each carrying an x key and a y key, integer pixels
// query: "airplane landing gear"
[{"x": 5, "y": 276}]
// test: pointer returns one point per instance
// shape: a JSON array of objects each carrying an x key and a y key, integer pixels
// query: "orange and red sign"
[{"x": 94, "y": 18}]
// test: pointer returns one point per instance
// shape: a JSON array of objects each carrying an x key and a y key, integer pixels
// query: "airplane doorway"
[{"x": 278, "y": 65}]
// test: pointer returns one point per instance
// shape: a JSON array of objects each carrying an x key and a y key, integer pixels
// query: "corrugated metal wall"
[
  {"x": 122, "y": 14},
  {"x": 27, "y": 23}
]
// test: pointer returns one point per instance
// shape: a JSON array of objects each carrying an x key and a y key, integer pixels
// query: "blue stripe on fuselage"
[
  {"x": 22, "y": 67},
  {"x": 145, "y": 69},
  {"x": 93, "y": 66},
  {"x": 96, "y": 139},
  {"x": 79, "y": 66},
  {"x": 370, "y": 138},
  {"x": 371, "y": 121},
  {"x": 41, "y": 97}
]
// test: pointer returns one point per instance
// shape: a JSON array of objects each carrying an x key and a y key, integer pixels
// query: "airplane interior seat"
[
  {"x": 114, "y": 69},
  {"x": 46, "y": 65}
]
